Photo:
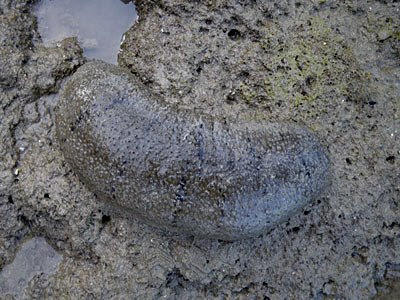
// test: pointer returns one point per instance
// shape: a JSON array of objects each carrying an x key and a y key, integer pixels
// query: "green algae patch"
[{"x": 314, "y": 64}]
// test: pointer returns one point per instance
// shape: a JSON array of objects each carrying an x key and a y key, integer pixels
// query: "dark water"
[{"x": 98, "y": 24}]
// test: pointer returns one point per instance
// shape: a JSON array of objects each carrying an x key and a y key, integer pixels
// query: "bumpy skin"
[{"x": 181, "y": 171}]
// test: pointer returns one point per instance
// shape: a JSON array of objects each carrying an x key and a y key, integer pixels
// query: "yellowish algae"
[{"x": 314, "y": 64}]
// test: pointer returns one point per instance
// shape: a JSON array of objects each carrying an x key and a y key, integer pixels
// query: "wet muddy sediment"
[{"x": 332, "y": 66}]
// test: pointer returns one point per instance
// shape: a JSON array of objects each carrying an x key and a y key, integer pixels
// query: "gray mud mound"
[{"x": 332, "y": 66}]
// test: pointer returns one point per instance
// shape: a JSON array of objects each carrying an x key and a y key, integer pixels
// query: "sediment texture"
[{"x": 343, "y": 245}]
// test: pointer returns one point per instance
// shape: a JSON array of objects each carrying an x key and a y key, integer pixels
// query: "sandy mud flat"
[{"x": 331, "y": 66}]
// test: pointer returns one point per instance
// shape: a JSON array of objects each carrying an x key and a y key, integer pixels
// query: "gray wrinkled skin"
[{"x": 182, "y": 171}]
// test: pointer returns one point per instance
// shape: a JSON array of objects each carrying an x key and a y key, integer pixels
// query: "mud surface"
[{"x": 330, "y": 65}]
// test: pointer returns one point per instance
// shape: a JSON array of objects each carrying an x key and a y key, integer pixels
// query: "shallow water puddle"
[{"x": 98, "y": 24}]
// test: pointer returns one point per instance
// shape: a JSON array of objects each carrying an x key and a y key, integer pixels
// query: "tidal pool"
[{"x": 98, "y": 24}]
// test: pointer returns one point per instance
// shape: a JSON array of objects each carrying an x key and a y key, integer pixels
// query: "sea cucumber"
[{"x": 179, "y": 170}]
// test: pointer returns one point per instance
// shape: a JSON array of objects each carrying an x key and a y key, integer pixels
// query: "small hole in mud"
[
  {"x": 234, "y": 34},
  {"x": 203, "y": 29},
  {"x": 348, "y": 161},
  {"x": 105, "y": 219},
  {"x": 24, "y": 220},
  {"x": 244, "y": 74},
  {"x": 390, "y": 159},
  {"x": 230, "y": 98},
  {"x": 296, "y": 229},
  {"x": 46, "y": 195},
  {"x": 10, "y": 199}
]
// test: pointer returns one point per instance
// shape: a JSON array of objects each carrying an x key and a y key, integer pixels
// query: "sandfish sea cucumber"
[{"x": 180, "y": 171}]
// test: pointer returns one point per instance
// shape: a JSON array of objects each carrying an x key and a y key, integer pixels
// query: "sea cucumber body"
[{"x": 180, "y": 171}]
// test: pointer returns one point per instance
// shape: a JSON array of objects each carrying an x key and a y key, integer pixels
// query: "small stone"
[{"x": 384, "y": 34}]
